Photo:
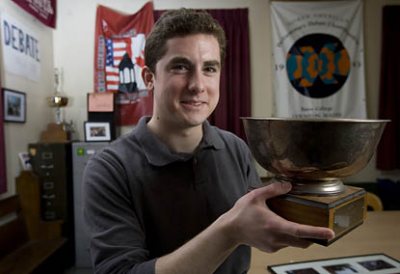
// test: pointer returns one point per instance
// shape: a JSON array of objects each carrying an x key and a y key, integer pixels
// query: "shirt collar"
[{"x": 158, "y": 154}]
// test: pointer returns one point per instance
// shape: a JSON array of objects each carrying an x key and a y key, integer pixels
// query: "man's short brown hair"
[{"x": 180, "y": 23}]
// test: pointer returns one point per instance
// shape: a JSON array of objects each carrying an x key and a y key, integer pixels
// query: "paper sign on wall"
[
  {"x": 21, "y": 48},
  {"x": 101, "y": 102}
]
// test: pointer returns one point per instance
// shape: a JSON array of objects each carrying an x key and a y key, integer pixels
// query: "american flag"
[{"x": 115, "y": 50}]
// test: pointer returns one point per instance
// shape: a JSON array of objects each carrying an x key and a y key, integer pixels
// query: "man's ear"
[{"x": 148, "y": 78}]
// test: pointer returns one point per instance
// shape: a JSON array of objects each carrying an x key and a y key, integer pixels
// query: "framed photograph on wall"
[
  {"x": 97, "y": 131},
  {"x": 14, "y": 104}
]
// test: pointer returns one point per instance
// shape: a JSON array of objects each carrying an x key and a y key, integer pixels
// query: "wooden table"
[{"x": 380, "y": 233}]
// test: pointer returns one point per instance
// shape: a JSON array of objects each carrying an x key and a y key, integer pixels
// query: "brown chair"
[{"x": 374, "y": 202}]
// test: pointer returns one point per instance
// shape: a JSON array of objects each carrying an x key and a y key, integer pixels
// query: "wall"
[{"x": 17, "y": 136}]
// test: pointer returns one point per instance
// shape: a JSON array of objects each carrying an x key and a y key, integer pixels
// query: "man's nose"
[{"x": 196, "y": 82}]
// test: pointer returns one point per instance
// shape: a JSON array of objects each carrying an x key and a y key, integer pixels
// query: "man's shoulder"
[
  {"x": 230, "y": 139},
  {"x": 125, "y": 146}
]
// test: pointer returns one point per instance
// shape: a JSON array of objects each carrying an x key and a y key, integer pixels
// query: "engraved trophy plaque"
[{"x": 314, "y": 155}]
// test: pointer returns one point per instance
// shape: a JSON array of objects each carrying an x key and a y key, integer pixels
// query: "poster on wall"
[
  {"x": 119, "y": 59},
  {"x": 318, "y": 52},
  {"x": 43, "y": 10},
  {"x": 20, "y": 48}
]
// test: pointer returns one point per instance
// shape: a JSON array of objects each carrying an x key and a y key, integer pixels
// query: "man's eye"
[
  {"x": 210, "y": 69},
  {"x": 180, "y": 67}
]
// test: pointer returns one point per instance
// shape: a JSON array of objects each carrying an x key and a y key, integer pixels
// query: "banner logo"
[{"x": 318, "y": 65}]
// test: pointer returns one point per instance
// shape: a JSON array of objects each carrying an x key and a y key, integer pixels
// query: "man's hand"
[
  {"x": 254, "y": 224},
  {"x": 249, "y": 222}
]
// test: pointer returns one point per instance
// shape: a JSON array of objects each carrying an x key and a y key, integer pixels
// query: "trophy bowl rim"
[{"x": 349, "y": 120}]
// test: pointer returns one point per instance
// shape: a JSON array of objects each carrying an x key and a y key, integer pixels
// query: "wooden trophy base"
[
  {"x": 54, "y": 133},
  {"x": 341, "y": 213}
]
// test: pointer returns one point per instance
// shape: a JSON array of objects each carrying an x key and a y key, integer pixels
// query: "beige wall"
[
  {"x": 17, "y": 136},
  {"x": 73, "y": 43}
]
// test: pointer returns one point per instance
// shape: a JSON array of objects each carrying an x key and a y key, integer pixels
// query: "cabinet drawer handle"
[
  {"x": 52, "y": 196},
  {"x": 46, "y": 166}
]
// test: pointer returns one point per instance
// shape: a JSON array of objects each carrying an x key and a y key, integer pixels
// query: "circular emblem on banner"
[{"x": 318, "y": 65}]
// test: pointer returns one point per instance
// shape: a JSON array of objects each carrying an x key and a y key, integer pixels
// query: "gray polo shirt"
[{"x": 142, "y": 201}]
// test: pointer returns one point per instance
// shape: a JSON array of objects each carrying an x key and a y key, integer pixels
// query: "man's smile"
[{"x": 193, "y": 103}]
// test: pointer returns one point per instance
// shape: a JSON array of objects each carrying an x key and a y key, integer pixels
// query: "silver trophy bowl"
[{"x": 313, "y": 154}]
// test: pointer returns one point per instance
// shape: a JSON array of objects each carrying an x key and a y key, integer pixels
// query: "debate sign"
[{"x": 21, "y": 48}]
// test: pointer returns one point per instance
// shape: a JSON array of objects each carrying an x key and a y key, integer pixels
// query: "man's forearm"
[{"x": 249, "y": 222}]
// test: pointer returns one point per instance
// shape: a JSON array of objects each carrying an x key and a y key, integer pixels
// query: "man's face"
[{"x": 186, "y": 81}]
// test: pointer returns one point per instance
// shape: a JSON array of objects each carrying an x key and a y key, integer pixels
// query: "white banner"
[
  {"x": 318, "y": 51},
  {"x": 21, "y": 48}
]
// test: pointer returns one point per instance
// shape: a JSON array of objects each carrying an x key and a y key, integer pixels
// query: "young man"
[{"x": 172, "y": 196}]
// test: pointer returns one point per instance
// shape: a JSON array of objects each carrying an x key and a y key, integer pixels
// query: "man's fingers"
[
  {"x": 272, "y": 190},
  {"x": 316, "y": 232},
  {"x": 307, "y": 231},
  {"x": 297, "y": 230},
  {"x": 296, "y": 242}
]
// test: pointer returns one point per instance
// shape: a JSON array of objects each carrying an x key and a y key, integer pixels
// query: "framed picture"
[
  {"x": 14, "y": 103},
  {"x": 97, "y": 131},
  {"x": 371, "y": 263}
]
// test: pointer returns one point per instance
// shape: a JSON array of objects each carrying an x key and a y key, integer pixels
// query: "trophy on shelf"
[
  {"x": 314, "y": 155},
  {"x": 58, "y": 131}
]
